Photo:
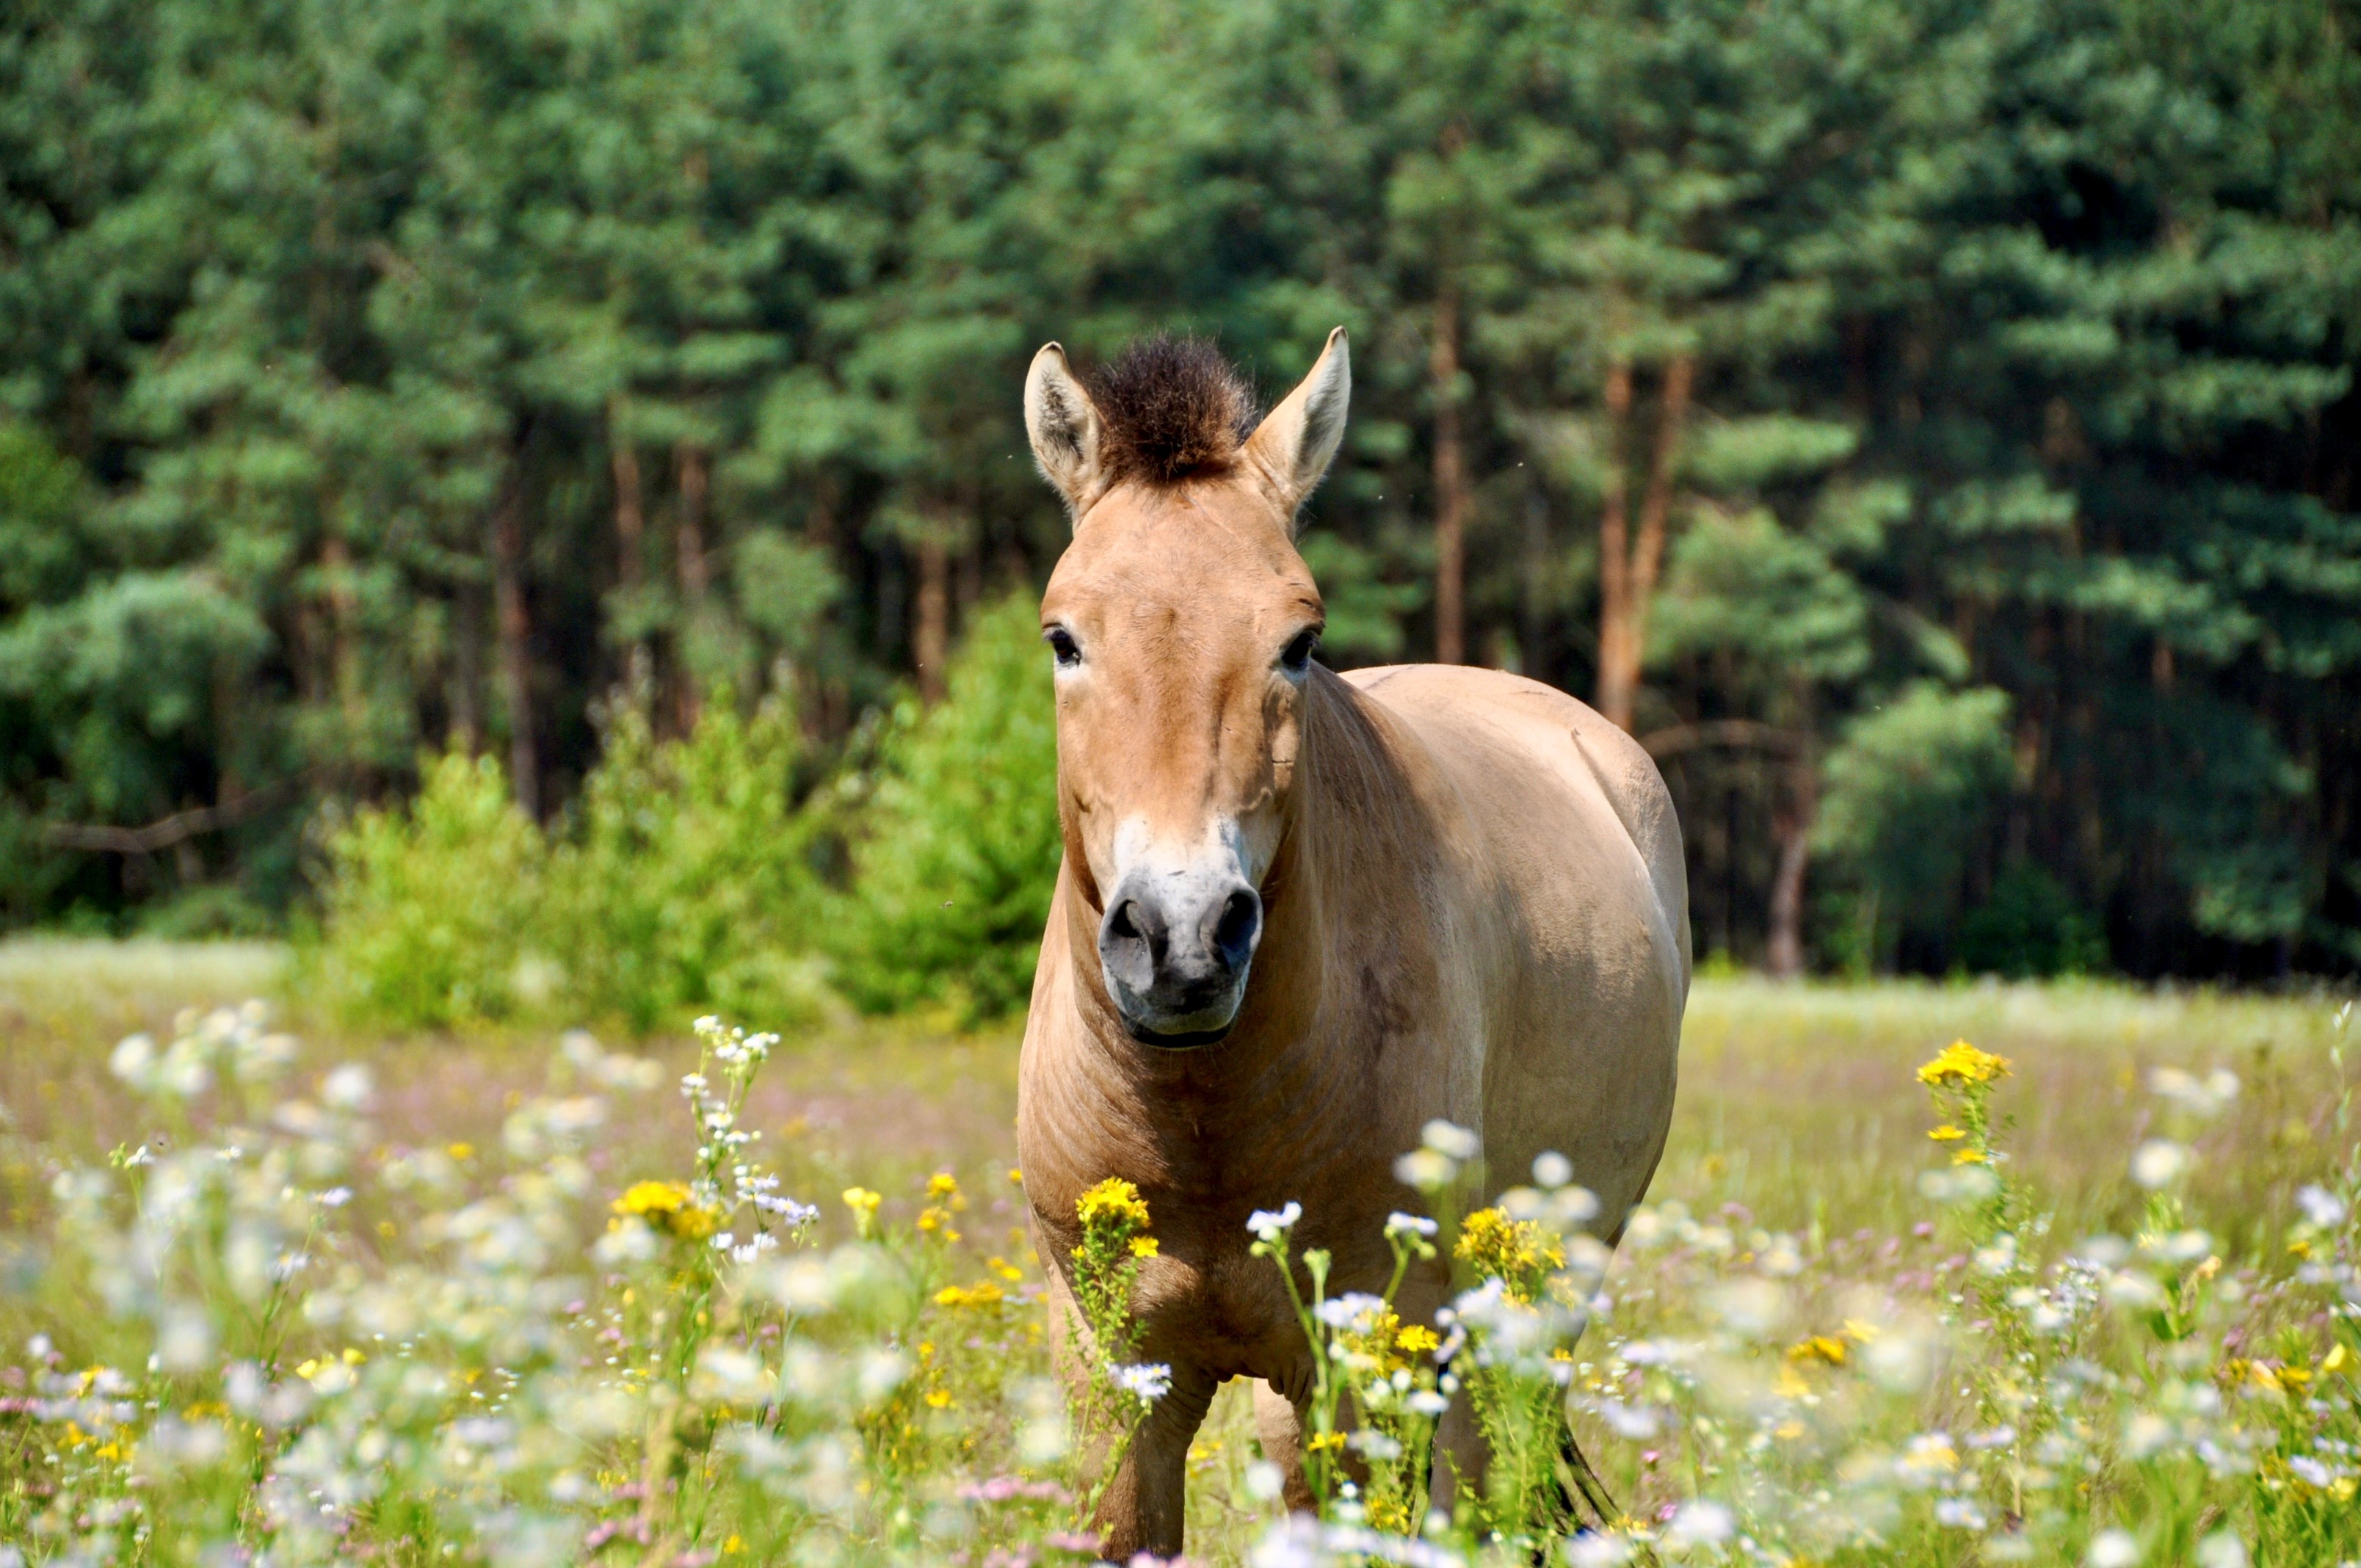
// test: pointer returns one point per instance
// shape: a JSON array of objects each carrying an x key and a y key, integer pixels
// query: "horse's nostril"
[
  {"x": 1240, "y": 912},
  {"x": 1122, "y": 925}
]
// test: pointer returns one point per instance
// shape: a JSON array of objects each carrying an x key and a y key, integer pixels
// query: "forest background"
[{"x": 1930, "y": 427}]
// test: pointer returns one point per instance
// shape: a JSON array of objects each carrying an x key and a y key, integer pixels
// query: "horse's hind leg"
[{"x": 1279, "y": 1424}]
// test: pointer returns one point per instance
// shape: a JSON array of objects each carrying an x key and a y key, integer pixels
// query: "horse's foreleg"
[{"x": 1146, "y": 1503}]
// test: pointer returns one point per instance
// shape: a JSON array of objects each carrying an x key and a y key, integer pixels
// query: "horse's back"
[{"x": 1571, "y": 855}]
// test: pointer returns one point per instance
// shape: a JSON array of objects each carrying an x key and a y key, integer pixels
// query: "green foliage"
[
  {"x": 683, "y": 883},
  {"x": 1905, "y": 792},
  {"x": 687, "y": 883},
  {"x": 2030, "y": 929},
  {"x": 429, "y": 907},
  {"x": 958, "y": 843},
  {"x": 376, "y": 379}
]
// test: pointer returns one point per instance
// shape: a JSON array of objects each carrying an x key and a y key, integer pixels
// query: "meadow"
[{"x": 272, "y": 1290}]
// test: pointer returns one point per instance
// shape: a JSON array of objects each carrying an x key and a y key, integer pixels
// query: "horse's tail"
[{"x": 1580, "y": 1488}]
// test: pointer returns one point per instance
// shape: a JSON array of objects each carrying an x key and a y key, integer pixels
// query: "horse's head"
[{"x": 1182, "y": 624}]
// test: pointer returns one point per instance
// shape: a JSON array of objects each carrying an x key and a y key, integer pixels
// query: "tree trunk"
[
  {"x": 691, "y": 462},
  {"x": 931, "y": 630},
  {"x": 1628, "y": 584},
  {"x": 467, "y": 728},
  {"x": 630, "y": 539},
  {"x": 1792, "y": 830},
  {"x": 1450, "y": 483},
  {"x": 1614, "y": 552},
  {"x": 343, "y": 654},
  {"x": 514, "y": 631},
  {"x": 1656, "y": 513}
]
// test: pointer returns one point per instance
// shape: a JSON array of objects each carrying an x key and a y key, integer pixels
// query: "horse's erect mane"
[{"x": 1170, "y": 407}]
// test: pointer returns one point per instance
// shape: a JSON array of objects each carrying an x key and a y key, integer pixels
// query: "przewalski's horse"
[{"x": 1301, "y": 912}]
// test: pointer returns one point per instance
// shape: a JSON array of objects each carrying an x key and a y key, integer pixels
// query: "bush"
[
  {"x": 2030, "y": 929},
  {"x": 687, "y": 884},
  {"x": 682, "y": 884},
  {"x": 957, "y": 847},
  {"x": 428, "y": 907},
  {"x": 1902, "y": 799}
]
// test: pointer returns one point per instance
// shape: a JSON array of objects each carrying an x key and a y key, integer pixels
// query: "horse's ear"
[
  {"x": 1293, "y": 445},
  {"x": 1063, "y": 425}
]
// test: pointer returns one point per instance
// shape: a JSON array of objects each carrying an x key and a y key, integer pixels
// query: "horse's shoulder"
[{"x": 1474, "y": 715}]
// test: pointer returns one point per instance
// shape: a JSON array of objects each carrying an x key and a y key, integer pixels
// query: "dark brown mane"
[{"x": 1170, "y": 407}]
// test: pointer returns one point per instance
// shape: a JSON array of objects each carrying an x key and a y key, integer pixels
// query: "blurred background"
[{"x": 529, "y": 499}]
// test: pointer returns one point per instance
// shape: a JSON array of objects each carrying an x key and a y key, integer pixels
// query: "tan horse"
[{"x": 1301, "y": 914}]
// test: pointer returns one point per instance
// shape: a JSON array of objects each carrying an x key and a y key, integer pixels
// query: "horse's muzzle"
[{"x": 1175, "y": 948}]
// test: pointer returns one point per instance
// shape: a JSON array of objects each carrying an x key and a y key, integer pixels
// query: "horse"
[{"x": 1301, "y": 914}]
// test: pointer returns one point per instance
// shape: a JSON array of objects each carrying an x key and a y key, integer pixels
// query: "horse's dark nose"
[{"x": 1175, "y": 949}]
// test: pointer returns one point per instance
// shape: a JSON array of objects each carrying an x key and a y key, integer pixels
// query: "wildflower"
[
  {"x": 943, "y": 1188},
  {"x": 1448, "y": 1140},
  {"x": 1148, "y": 1382},
  {"x": 863, "y": 1204},
  {"x": 1946, "y": 1134},
  {"x": 1551, "y": 1170},
  {"x": 1269, "y": 1226},
  {"x": 2320, "y": 1206},
  {"x": 984, "y": 1293},
  {"x": 1511, "y": 1251},
  {"x": 2114, "y": 1548},
  {"x": 1401, "y": 1225},
  {"x": 1143, "y": 1246},
  {"x": 1972, "y": 1156},
  {"x": 1961, "y": 1064},
  {"x": 1818, "y": 1347},
  {"x": 2156, "y": 1162},
  {"x": 669, "y": 1206},
  {"x": 1111, "y": 1201},
  {"x": 1426, "y": 1169},
  {"x": 1416, "y": 1340}
]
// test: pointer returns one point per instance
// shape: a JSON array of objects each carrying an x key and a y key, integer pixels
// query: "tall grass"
[{"x": 269, "y": 1326}]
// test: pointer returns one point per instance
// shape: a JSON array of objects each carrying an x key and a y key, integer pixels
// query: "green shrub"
[
  {"x": 1901, "y": 801},
  {"x": 429, "y": 908},
  {"x": 2030, "y": 927},
  {"x": 685, "y": 884},
  {"x": 957, "y": 847},
  {"x": 680, "y": 884}
]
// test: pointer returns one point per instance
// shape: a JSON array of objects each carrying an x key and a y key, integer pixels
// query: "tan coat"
[{"x": 1472, "y": 907}]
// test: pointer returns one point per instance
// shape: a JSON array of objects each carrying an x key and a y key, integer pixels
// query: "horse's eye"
[
  {"x": 1062, "y": 645},
  {"x": 1298, "y": 656}
]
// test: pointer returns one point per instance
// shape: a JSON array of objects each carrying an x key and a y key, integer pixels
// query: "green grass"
[{"x": 1800, "y": 1132}]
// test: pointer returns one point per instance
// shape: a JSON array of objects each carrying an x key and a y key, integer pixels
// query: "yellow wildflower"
[
  {"x": 1143, "y": 1246},
  {"x": 1321, "y": 1439},
  {"x": 1961, "y": 1063},
  {"x": 1970, "y": 1156},
  {"x": 461, "y": 1151},
  {"x": 1817, "y": 1347},
  {"x": 669, "y": 1206},
  {"x": 1946, "y": 1134},
  {"x": 1416, "y": 1340},
  {"x": 1006, "y": 1269},
  {"x": 2336, "y": 1360},
  {"x": 1512, "y": 1251},
  {"x": 939, "y": 1398},
  {"x": 982, "y": 1293},
  {"x": 863, "y": 1204},
  {"x": 1113, "y": 1201},
  {"x": 1389, "y": 1515}
]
